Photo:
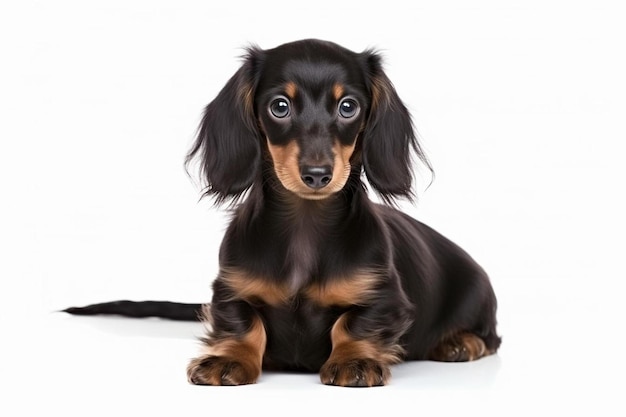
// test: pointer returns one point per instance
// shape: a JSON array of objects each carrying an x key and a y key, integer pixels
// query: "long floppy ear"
[
  {"x": 227, "y": 146},
  {"x": 388, "y": 139}
]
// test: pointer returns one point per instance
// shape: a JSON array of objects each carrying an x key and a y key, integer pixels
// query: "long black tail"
[{"x": 162, "y": 309}]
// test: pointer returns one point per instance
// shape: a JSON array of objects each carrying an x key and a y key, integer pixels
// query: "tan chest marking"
[
  {"x": 358, "y": 288},
  {"x": 253, "y": 288}
]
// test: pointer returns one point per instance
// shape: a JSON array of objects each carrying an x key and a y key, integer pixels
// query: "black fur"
[
  {"x": 142, "y": 309},
  {"x": 313, "y": 275}
]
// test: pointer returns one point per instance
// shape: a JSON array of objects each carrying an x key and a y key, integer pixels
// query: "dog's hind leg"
[{"x": 461, "y": 347}]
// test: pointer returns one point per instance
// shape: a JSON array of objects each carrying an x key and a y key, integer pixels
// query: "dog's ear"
[
  {"x": 227, "y": 146},
  {"x": 389, "y": 138}
]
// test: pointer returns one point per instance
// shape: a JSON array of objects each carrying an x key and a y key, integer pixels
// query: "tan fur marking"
[
  {"x": 342, "y": 168},
  {"x": 291, "y": 89},
  {"x": 356, "y": 289},
  {"x": 232, "y": 361},
  {"x": 251, "y": 288},
  {"x": 338, "y": 91},
  {"x": 475, "y": 346},
  {"x": 287, "y": 170},
  {"x": 357, "y": 362},
  {"x": 286, "y": 165},
  {"x": 251, "y": 347},
  {"x": 345, "y": 347},
  {"x": 460, "y": 348}
]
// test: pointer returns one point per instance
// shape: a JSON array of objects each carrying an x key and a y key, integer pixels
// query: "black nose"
[{"x": 316, "y": 176}]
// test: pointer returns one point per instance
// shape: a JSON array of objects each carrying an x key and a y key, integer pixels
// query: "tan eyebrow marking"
[
  {"x": 291, "y": 89},
  {"x": 338, "y": 91}
]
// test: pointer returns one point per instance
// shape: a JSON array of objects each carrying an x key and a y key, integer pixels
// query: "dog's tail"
[{"x": 141, "y": 309}]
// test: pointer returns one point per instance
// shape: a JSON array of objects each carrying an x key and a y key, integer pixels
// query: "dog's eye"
[
  {"x": 279, "y": 107},
  {"x": 348, "y": 108}
]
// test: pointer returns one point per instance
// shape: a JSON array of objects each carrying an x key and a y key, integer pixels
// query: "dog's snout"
[{"x": 316, "y": 177}]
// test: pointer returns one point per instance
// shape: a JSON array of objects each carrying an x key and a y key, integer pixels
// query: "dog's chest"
[
  {"x": 302, "y": 258},
  {"x": 282, "y": 256},
  {"x": 298, "y": 335}
]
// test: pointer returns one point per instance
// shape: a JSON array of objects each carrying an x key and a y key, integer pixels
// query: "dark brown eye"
[
  {"x": 279, "y": 107},
  {"x": 348, "y": 108}
]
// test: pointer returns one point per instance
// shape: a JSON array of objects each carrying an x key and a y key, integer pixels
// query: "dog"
[{"x": 313, "y": 275}]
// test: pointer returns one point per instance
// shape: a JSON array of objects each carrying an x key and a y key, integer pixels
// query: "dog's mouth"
[
  {"x": 314, "y": 195},
  {"x": 302, "y": 186}
]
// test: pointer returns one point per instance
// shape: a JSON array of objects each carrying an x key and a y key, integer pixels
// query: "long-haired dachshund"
[{"x": 313, "y": 275}]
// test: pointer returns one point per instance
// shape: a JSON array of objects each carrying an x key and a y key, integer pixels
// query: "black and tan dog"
[{"x": 313, "y": 275}]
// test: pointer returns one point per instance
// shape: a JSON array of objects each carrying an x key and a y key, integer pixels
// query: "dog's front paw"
[
  {"x": 218, "y": 370},
  {"x": 355, "y": 373}
]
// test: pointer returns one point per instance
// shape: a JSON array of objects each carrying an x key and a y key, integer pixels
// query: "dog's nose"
[{"x": 316, "y": 176}]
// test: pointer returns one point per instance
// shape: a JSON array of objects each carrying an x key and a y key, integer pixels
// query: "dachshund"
[{"x": 313, "y": 275}]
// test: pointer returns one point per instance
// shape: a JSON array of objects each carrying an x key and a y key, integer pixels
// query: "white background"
[{"x": 519, "y": 104}]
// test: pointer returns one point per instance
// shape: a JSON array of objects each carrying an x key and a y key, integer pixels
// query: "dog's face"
[
  {"x": 311, "y": 113},
  {"x": 319, "y": 113}
]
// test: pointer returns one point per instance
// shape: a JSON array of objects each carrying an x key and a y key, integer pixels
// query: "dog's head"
[{"x": 319, "y": 113}]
